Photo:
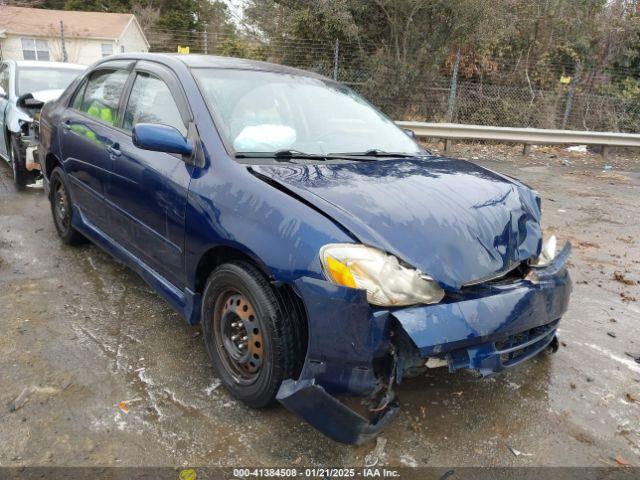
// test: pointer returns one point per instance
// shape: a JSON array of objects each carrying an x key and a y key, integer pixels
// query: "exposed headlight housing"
[
  {"x": 548, "y": 252},
  {"x": 387, "y": 282}
]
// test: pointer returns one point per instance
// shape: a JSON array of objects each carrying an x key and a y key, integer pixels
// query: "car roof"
[
  {"x": 213, "y": 61},
  {"x": 40, "y": 64}
]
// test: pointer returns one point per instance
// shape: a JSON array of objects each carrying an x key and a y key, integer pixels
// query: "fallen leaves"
[
  {"x": 621, "y": 277},
  {"x": 627, "y": 298}
]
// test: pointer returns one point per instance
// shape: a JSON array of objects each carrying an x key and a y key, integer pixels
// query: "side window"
[
  {"x": 4, "y": 77},
  {"x": 77, "y": 99},
  {"x": 151, "y": 102},
  {"x": 102, "y": 94}
]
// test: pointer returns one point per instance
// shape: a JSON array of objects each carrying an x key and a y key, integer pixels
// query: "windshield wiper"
[
  {"x": 285, "y": 155},
  {"x": 298, "y": 154},
  {"x": 280, "y": 154},
  {"x": 375, "y": 152}
]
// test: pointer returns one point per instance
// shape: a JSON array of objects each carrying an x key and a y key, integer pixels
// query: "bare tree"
[{"x": 147, "y": 14}]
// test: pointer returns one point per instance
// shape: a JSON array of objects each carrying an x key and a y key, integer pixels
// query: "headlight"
[
  {"x": 548, "y": 252},
  {"x": 386, "y": 281}
]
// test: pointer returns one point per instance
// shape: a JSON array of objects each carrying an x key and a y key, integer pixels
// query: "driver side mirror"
[
  {"x": 161, "y": 138},
  {"x": 3, "y": 94}
]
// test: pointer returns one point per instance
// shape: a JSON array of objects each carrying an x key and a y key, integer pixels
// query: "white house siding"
[
  {"x": 132, "y": 40},
  {"x": 83, "y": 51}
]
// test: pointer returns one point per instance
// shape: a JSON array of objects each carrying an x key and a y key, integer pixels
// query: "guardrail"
[{"x": 526, "y": 136}]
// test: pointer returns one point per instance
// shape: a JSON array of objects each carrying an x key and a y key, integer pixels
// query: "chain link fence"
[{"x": 547, "y": 95}]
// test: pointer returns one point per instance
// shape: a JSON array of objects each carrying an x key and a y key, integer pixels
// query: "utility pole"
[
  {"x": 336, "y": 56},
  {"x": 65, "y": 57}
]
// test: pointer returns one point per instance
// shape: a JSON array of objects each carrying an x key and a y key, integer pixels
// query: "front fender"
[
  {"x": 228, "y": 206},
  {"x": 13, "y": 117}
]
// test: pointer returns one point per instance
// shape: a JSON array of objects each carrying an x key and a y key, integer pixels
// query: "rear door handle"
[
  {"x": 66, "y": 125},
  {"x": 113, "y": 150}
]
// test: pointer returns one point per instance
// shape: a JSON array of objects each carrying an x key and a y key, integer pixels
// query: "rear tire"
[
  {"x": 252, "y": 335},
  {"x": 62, "y": 209},
  {"x": 21, "y": 177}
]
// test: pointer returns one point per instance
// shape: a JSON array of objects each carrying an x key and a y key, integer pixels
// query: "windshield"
[
  {"x": 35, "y": 79},
  {"x": 269, "y": 112}
]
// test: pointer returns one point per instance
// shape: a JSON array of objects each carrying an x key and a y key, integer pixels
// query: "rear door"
[
  {"x": 87, "y": 139},
  {"x": 149, "y": 189}
]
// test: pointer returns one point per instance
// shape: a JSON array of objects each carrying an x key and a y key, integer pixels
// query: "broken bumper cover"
[
  {"x": 344, "y": 338},
  {"x": 330, "y": 416},
  {"x": 499, "y": 327},
  {"x": 490, "y": 328}
]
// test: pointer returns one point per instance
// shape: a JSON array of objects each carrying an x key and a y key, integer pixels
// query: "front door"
[{"x": 149, "y": 189}]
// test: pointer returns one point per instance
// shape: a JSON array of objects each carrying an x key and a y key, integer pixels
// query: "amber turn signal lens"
[{"x": 340, "y": 273}]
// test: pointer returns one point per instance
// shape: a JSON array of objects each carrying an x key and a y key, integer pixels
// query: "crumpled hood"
[
  {"x": 47, "y": 95},
  {"x": 451, "y": 219}
]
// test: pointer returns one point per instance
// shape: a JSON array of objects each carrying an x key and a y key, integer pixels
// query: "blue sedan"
[{"x": 323, "y": 250}]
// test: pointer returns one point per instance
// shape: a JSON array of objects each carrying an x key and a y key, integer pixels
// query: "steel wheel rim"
[
  {"x": 238, "y": 335},
  {"x": 61, "y": 206}
]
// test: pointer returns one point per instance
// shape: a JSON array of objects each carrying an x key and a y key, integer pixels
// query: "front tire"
[
  {"x": 62, "y": 209},
  {"x": 21, "y": 177},
  {"x": 252, "y": 336}
]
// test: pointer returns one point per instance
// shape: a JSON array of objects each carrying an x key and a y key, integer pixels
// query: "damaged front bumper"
[
  {"x": 29, "y": 134},
  {"x": 355, "y": 349}
]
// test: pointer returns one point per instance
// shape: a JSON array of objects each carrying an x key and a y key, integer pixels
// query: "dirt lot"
[{"x": 82, "y": 333}]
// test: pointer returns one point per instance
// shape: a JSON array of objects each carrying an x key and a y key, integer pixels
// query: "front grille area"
[
  {"x": 519, "y": 346},
  {"x": 494, "y": 356}
]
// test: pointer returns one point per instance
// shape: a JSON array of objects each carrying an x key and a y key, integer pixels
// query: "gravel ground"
[{"x": 111, "y": 376}]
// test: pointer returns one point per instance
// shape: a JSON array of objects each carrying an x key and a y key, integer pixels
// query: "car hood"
[
  {"x": 452, "y": 219},
  {"x": 47, "y": 95}
]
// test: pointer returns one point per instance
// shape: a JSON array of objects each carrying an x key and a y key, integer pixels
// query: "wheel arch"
[
  {"x": 50, "y": 162},
  {"x": 220, "y": 254}
]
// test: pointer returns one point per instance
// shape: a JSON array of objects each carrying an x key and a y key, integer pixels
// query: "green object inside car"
[{"x": 103, "y": 113}]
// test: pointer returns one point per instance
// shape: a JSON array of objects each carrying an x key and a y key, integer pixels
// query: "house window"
[
  {"x": 33, "y": 49},
  {"x": 107, "y": 49}
]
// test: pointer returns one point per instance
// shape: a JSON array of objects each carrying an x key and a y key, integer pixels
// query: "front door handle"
[
  {"x": 66, "y": 125},
  {"x": 114, "y": 150}
]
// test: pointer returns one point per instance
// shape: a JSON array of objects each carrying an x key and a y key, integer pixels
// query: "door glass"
[
  {"x": 77, "y": 99},
  {"x": 102, "y": 94},
  {"x": 151, "y": 102}
]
